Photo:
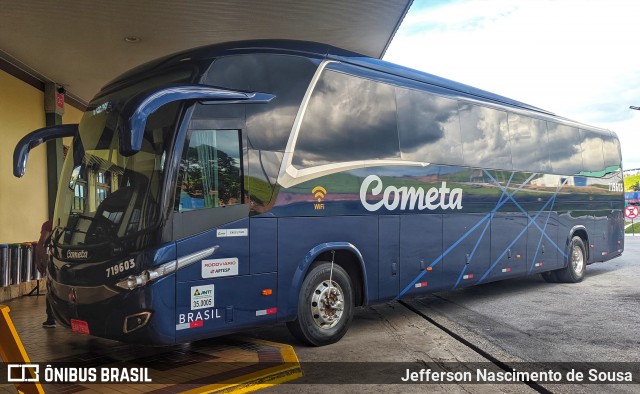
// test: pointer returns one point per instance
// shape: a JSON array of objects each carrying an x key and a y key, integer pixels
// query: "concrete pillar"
[{"x": 54, "y": 109}]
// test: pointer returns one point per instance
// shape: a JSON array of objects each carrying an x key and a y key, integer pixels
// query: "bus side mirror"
[
  {"x": 136, "y": 111},
  {"x": 35, "y": 138}
]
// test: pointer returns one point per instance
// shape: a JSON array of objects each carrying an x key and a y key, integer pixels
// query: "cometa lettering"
[
  {"x": 409, "y": 198},
  {"x": 77, "y": 254}
]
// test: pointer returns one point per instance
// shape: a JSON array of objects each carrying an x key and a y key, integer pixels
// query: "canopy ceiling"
[{"x": 83, "y": 44}]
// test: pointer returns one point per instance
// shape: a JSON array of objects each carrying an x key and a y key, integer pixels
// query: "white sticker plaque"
[
  {"x": 220, "y": 267},
  {"x": 201, "y": 297},
  {"x": 232, "y": 232}
]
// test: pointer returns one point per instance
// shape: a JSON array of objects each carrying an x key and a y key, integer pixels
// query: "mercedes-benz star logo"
[{"x": 73, "y": 296}]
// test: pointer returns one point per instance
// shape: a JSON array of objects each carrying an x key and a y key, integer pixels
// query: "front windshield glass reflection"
[
  {"x": 110, "y": 198},
  {"x": 107, "y": 203}
]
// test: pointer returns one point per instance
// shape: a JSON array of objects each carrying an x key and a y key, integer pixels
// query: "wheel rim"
[
  {"x": 577, "y": 259},
  {"x": 327, "y": 304}
]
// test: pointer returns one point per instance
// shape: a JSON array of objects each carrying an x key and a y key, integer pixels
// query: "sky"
[{"x": 578, "y": 59}]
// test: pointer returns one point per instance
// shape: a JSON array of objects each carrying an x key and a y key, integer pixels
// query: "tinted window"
[
  {"x": 611, "y": 150},
  {"x": 347, "y": 119},
  {"x": 592, "y": 158},
  {"x": 211, "y": 170},
  {"x": 565, "y": 152},
  {"x": 428, "y": 127},
  {"x": 287, "y": 77},
  {"x": 528, "y": 139},
  {"x": 485, "y": 137}
]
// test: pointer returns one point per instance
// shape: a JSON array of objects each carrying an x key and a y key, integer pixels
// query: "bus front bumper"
[{"x": 128, "y": 316}]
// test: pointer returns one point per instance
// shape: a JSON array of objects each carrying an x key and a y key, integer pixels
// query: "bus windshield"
[{"x": 109, "y": 204}]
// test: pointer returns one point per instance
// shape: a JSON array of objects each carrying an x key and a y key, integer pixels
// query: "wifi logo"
[{"x": 319, "y": 193}]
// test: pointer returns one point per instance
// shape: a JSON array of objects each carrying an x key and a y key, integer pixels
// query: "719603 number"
[{"x": 120, "y": 268}]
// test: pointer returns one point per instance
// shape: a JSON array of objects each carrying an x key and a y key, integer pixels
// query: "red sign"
[
  {"x": 80, "y": 326},
  {"x": 59, "y": 100},
  {"x": 631, "y": 212}
]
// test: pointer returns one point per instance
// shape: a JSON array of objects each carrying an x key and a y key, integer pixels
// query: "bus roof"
[{"x": 322, "y": 51}]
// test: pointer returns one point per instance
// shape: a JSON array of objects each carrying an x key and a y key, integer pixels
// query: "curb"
[{"x": 289, "y": 370}]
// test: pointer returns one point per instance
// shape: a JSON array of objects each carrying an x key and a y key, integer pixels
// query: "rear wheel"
[
  {"x": 325, "y": 307},
  {"x": 575, "y": 270}
]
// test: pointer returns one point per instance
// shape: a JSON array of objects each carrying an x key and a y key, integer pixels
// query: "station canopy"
[{"x": 82, "y": 44}]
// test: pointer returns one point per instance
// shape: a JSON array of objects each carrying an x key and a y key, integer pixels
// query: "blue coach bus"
[{"x": 249, "y": 183}]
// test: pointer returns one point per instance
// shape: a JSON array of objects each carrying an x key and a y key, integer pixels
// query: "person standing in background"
[{"x": 42, "y": 260}]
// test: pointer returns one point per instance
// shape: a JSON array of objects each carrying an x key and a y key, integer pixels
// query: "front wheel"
[
  {"x": 325, "y": 307},
  {"x": 575, "y": 269}
]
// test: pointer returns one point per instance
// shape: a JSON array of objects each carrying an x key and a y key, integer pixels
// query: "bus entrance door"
[{"x": 216, "y": 293}]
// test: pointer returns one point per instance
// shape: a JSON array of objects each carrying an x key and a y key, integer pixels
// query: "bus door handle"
[{"x": 394, "y": 268}]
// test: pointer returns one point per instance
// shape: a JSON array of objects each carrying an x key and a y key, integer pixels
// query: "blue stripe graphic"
[
  {"x": 505, "y": 196},
  {"x": 526, "y": 213},
  {"x": 481, "y": 237},
  {"x": 465, "y": 235}
]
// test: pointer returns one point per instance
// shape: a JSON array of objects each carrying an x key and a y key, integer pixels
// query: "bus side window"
[
  {"x": 347, "y": 119},
  {"x": 429, "y": 128},
  {"x": 611, "y": 151},
  {"x": 285, "y": 76},
  {"x": 565, "y": 151},
  {"x": 592, "y": 155},
  {"x": 211, "y": 170},
  {"x": 527, "y": 133},
  {"x": 485, "y": 137}
]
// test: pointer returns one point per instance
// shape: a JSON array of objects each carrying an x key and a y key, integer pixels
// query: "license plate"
[{"x": 80, "y": 326}]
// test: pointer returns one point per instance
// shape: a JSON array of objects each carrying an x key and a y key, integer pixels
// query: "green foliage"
[
  {"x": 634, "y": 228},
  {"x": 259, "y": 189},
  {"x": 206, "y": 159},
  {"x": 632, "y": 183}
]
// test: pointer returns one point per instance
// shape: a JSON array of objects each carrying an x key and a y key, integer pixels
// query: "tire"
[
  {"x": 577, "y": 264},
  {"x": 549, "y": 276},
  {"x": 318, "y": 322}
]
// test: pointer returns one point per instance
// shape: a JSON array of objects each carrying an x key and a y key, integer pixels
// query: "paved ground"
[
  {"x": 392, "y": 336},
  {"x": 522, "y": 319},
  {"x": 517, "y": 320},
  {"x": 596, "y": 320},
  {"x": 210, "y": 363}
]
